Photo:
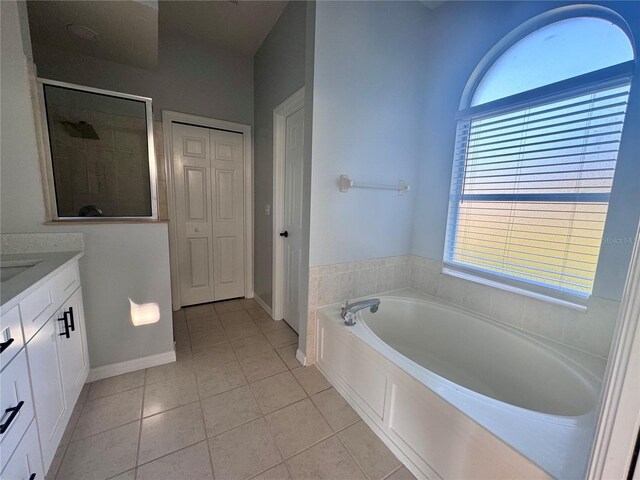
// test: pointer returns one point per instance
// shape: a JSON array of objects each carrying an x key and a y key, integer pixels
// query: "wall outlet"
[{"x": 267, "y": 209}]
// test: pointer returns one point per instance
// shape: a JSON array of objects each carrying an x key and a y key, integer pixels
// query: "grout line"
[{"x": 344, "y": 445}]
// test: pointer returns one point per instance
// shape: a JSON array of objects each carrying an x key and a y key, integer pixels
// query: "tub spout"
[{"x": 349, "y": 310}]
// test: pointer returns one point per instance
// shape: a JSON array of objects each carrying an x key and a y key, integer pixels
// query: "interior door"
[
  {"x": 227, "y": 183},
  {"x": 209, "y": 197},
  {"x": 192, "y": 166},
  {"x": 294, "y": 146}
]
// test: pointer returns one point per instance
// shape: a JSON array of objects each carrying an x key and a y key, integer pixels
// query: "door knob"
[{"x": 284, "y": 234}]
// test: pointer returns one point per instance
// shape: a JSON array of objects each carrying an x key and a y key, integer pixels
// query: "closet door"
[
  {"x": 191, "y": 167},
  {"x": 227, "y": 185}
]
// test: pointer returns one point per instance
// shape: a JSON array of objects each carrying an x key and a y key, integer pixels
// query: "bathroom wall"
[
  {"x": 121, "y": 261},
  {"x": 460, "y": 34},
  {"x": 191, "y": 77},
  {"x": 369, "y": 94},
  {"x": 279, "y": 72}
]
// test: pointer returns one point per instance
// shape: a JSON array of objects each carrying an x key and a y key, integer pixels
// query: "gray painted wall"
[
  {"x": 369, "y": 93},
  {"x": 459, "y": 35},
  {"x": 191, "y": 77},
  {"x": 279, "y": 72}
]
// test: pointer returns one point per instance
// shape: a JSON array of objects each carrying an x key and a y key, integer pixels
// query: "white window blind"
[{"x": 530, "y": 190}]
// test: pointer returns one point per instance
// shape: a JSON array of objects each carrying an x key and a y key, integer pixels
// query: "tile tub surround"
[
  {"x": 590, "y": 332},
  {"x": 221, "y": 411},
  {"x": 41, "y": 242},
  {"x": 329, "y": 284}
]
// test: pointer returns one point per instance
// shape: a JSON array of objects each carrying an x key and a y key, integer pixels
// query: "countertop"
[{"x": 20, "y": 286}]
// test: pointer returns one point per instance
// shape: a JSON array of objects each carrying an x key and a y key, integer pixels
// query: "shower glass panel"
[{"x": 100, "y": 157}]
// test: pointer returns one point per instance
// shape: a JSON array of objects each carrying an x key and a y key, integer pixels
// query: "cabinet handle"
[
  {"x": 66, "y": 326},
  {"x": 5, "y": 345},
  {"x": 14, "y": 411},
  {"x": 32, "y": 476},
  {"x": 73, "y": 323}
]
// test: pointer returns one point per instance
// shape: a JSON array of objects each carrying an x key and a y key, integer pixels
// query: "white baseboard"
[
  {"x": 260, "y": 302},
  {"x": 301, "y": 357},
  {"x": 114, "y": 369}
]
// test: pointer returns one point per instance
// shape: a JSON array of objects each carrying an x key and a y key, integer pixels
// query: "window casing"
[{"x": 531, "y": 180}]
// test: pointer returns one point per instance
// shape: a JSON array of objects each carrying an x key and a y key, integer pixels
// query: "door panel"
[
  {"x": 227, "y": 180},
  {"x": 294, "y": 142},
  {"x": 192, "y": 166}
]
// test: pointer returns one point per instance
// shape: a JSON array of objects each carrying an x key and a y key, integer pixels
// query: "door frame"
[
  {"x": 168, "y": 118},
  {"x": 291, "y": 105}
]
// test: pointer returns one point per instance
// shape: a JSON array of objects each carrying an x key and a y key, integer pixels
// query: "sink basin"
[{"x": 11, "y": 268}]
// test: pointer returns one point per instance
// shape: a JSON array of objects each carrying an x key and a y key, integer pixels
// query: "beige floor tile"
[
  {"x": 56, "y": 462},
  {"x": 249, "y": 346},
  {"x": 401, "y": 474},
  {"x": 182, "y": 366},
  {"x": 297, "y": 426},
  {"x": 262, "y": 366},
  {"x": 227, "y": 410},
  {"x": 170, "y": 431},
  {"x": 228, "y": 306},
  {"x": 267, "y": 324},
  {"x": 191, "y": 463},
  {"x": 258, "y": 312},
  {"x": 235, "y": 318},
  {"x": 368, "y": 450},
  {"x": 200, "y": 325},
  {"x": 214, "y": 356},
  {"x": 84, "y": 394},
  {"x": 220, "y": 379},
  {"x": 277, "y": 391},
  {"x": 335, "y": 409},
  {"x": 167, "y": 394},
  {"x": 71, "y": 424},
  {"x": 311, "y": 379},
  {"x": 244, "y": 451},
  {"x": 108, "y": 412},
  {"x": 282, "y": 337},
  {"x": 279, "y": 472},
  {"x": 249, "y": 303},
  {"x": 328, "y": 460},
  {"x": 288, "y": 356},
  {"x": 120, "y": 383},
  {"x": 128, "y": 475},
  {"x": 101, "y": 456},
  {"x": 196, "y": 311},
  {"x": 245, "y": 329},
  {"x": 203, "y": 340}
]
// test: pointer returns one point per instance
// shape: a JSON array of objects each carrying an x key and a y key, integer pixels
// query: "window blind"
[{"x": 530, "y": 190}]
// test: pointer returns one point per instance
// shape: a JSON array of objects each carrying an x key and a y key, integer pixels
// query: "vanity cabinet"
[{"x": 45, "y": 375}]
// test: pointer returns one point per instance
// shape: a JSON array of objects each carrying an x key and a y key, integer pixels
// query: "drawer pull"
[
  {"x": 32, "y": 476},
  {"x": 5, "y": 345},
  {"x": 65, "y": 333},
  {"x": 72, "y": 324},
  {"x": 14, "y": 411}
]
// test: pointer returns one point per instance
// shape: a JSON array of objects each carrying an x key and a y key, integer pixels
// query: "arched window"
[{"x": 537, "y": 143}]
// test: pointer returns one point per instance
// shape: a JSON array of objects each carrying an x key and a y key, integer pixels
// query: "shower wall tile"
[{"x": 590, "y": 332}]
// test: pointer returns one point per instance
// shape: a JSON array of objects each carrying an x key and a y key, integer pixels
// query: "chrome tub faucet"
[{"x": 349, "y": 310}]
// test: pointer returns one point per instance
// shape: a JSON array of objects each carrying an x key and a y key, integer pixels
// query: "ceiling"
[
  {"x": 127, "y": 30},
  {"x": 239, "y": 26}
]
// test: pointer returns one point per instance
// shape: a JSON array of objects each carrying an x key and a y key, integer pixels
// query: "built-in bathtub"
[{"x": 456, "y": 395}]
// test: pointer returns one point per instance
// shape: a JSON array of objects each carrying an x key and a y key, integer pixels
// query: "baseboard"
[
  {"x": 261, "y": 302},
  {"x": 301, "y": 357},
  {"x": 114, "y": 369}
]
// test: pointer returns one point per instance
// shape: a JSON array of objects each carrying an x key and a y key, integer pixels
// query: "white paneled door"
[
  {"x": 294, "y": 145},
  {"x": 209, "y": 197}
]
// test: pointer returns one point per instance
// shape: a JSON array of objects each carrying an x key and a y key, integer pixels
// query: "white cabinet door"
[
  {"x": 26, "y": 462},
  {"x": 46, "y": 384},
  {"x": 72, "y": 347}
]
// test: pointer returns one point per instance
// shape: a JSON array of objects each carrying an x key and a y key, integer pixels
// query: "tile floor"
[{"x": 235, "y": 405}]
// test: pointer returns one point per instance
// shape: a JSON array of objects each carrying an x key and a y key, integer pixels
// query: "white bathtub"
[{"x": 456, "y": 395}]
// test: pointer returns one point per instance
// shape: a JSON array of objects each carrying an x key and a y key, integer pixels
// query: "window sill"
[
  {"x": 514, "y": 289},
  {"x": 105, "y": 221}
]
